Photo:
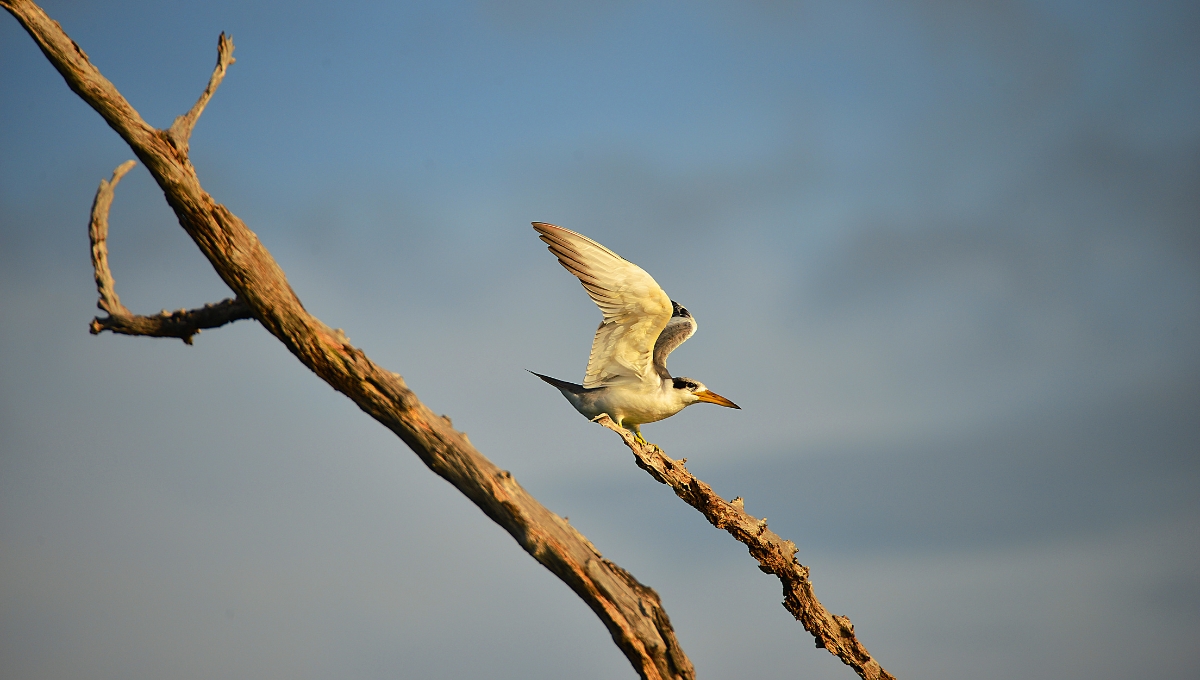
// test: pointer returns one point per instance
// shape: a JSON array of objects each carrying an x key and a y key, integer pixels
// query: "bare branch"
[
  {"x": 98, "y": 233},
  {"x": 774, "y": 554},
  {"x": 180, "y": 131},
  {"x": 632, "y": 612},
  {"x": 182, "y": 324}
]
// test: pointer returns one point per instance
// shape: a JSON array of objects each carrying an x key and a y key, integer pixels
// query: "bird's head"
[{"x": 694, "y": 391}]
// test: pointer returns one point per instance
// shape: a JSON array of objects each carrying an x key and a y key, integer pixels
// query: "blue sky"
[{"x": 945, "y": 256}]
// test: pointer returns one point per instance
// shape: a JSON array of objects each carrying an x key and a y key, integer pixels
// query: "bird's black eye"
[{"x": 684, "y": 384}]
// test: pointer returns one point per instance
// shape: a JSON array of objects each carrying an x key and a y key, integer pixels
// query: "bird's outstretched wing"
[
  {"x": 681, "y": 327},
  {"x": 635, "y": 308}
]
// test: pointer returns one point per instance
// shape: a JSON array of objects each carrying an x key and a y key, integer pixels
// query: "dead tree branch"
[
  {"x": 180, "y": 131},
  {"x": 632, "y": 612},
  {"x": 774, "y": 554},
  {"x": 183, "y": 324}
]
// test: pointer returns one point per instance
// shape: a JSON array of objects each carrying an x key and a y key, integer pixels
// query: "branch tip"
[
  {"x": 180, "y": 131},
  {"x": 98, "y": 235}
]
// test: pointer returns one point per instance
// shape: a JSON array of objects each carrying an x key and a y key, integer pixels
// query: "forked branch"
[
  {"x": 632, "y": 612},
  {"x": 183, "y": 324},
  {"x": 774, "y": 554}
]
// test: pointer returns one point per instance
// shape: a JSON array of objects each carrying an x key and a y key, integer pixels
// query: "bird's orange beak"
[{"x": 714, "y": 398}]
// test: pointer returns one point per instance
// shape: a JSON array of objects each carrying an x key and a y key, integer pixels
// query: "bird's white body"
[
  {"x": 627, "y": 375},
  {"x": 632, "y": 404}
]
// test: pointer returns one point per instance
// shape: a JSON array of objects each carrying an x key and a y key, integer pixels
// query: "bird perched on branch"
[{"x": 627, "y": 375}]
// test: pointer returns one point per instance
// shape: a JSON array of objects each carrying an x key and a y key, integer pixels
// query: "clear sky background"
[{"x": 946, "y": 256}]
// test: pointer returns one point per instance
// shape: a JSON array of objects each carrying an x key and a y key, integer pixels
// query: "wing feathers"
[
  {"x": 678, "y": 329},
  {"x": 635, "y": 308}
]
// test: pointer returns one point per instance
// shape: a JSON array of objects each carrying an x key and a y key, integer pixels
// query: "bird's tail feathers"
[{"x": 561, "y": 384}]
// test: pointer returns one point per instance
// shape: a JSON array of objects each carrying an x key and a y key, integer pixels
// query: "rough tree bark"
[
  {"x": 774, "y": 554},
  {"x": 631, "y": 611}
]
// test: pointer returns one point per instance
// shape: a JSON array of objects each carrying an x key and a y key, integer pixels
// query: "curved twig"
[
  {"x": 632, "y": 612},
  {"x": 183, "y": 324},
  {"x": 774, "y": 554}
]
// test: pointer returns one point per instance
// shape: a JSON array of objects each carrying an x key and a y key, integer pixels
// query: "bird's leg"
[{"x": 637, "y": 432}]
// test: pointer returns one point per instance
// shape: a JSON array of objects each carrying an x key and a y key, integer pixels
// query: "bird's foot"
[
  {"x": 607, "y": 421},
  {"x": 637, "y": 434}
]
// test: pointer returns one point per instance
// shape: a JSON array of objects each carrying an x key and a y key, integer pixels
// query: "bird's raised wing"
[
  {"x": 680, "y": 327},
  {"x": 635, "y": 308}
]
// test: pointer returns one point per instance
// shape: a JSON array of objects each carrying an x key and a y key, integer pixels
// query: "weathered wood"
[
  {"x": 183, "y": 324},
  {"x": 774, "y": 554}
]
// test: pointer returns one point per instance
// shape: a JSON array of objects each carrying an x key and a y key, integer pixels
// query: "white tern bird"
[{"x": 627, "y": 374}]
